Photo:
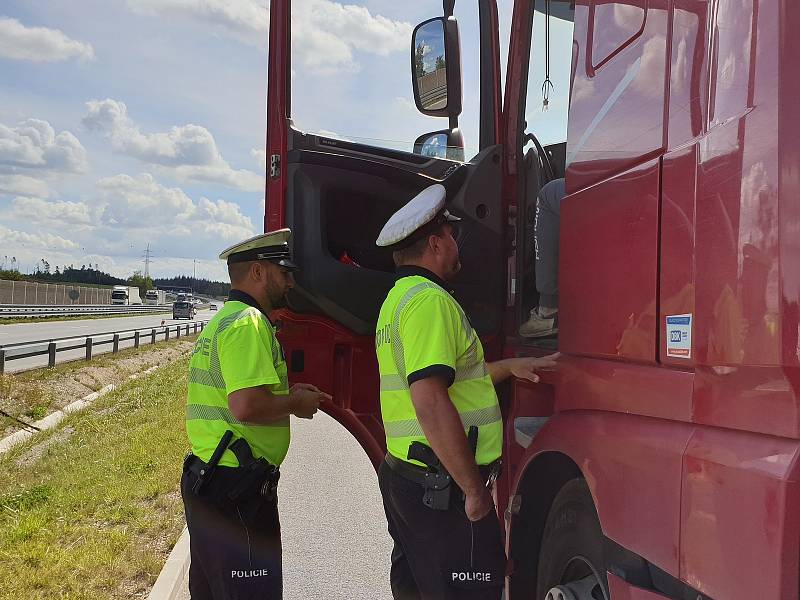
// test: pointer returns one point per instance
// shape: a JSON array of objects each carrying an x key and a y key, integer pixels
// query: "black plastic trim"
[
  {"x": 641, "y": 573},
  {"x": 452, "y": 53},
  {"x": 432, "y": 371},
  {"x": 488, "y": 134},
  {"x": 357, "y": 164},
  {"x": 373, "y": 150}
]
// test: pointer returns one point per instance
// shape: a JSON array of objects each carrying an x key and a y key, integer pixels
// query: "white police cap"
[
  {"x": 272, "y": 246},
  {"x": 426, "y": 208}
]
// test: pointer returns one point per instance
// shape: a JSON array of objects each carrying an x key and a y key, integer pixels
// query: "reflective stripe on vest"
[
  {"x": 412, "y": 428},
  {"x": 397, "y": 383},
  {"x": 204, "y": 412}
]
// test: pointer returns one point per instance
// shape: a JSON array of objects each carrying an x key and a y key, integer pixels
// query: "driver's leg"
[{"x": 543, "y": 320}]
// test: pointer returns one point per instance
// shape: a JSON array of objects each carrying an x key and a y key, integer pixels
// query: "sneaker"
[{"x": 539, "y": 325}]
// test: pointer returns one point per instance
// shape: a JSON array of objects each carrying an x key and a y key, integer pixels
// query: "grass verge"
[
  {"x": 33, "y": 394},
  {"x": 15, "y": 320},
  {"x": 96, "y": 513}
]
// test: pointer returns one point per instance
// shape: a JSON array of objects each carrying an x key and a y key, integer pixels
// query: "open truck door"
[{"x": 336, "y": 195}]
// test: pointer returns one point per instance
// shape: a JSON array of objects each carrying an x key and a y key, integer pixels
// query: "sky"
[{"x": 125, "y": 123}]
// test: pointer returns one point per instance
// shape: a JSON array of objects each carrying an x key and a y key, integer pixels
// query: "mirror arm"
[{"x": 448, "y": 6}]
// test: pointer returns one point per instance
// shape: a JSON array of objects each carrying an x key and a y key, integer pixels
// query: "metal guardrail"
[
  {"x": 52, "y": 347},
  {"x": 38, "y": 310}
]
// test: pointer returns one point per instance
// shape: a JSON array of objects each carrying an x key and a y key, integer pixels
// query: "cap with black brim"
[{"x": 272, "y": 246}]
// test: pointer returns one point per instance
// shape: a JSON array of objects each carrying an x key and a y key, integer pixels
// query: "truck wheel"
[{"x": 571, "y": 565}]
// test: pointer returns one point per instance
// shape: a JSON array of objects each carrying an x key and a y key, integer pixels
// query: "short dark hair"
[
  {"x": 238, "y": 271},
  {"x": 415, "y": 251}
]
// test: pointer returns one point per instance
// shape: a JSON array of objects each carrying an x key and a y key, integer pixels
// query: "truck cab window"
[
  {"x": 549, "y": 74},
  {"x": 350, "y": 75}
]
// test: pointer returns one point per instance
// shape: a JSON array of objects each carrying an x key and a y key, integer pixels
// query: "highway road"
[
  {"x": 335, "y": 542},
  {"x": 45, "y": 330}
]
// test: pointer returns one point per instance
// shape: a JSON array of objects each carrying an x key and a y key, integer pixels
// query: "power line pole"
[{"x": 147, "y": 255}]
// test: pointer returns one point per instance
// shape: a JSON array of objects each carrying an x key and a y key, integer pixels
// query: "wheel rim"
[{"x": 580, "y": 581}]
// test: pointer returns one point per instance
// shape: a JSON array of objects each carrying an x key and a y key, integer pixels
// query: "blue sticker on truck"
[{"x": 679, "y": 336}]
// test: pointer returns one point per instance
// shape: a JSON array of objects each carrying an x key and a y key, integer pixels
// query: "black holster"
[
  {"x": 436, "y": 484},
  {"x": 256, "y": 475}
]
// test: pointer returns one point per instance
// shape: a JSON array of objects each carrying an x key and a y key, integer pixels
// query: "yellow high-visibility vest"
[
  {"x": 422, "y": 331},
  {"x": 237, "y": 349}
]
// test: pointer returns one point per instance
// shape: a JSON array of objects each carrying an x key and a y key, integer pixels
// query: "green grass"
[
  {"x": 16, "y": 320},
  {"x": 95, "y": 516},
  {"x": 29, "y": 396}
]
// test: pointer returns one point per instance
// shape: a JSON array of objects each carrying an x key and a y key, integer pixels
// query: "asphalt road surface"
[
  {"x": 335, "y": 543},
  {"x": 45, "y": 330}
]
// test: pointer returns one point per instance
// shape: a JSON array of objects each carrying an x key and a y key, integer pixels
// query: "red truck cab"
[{"x": 647, "y": 466}]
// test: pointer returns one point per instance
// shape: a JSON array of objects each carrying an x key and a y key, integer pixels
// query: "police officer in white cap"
[
  {"x": 441, "y": 417},
  {"x": 237, "y": 420}
]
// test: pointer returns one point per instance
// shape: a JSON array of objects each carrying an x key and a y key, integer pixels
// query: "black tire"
[{"x": 572, "y": 543}]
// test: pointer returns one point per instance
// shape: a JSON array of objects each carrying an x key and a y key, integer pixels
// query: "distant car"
[
  {"x": 183, "y": 310},
  {"x": 213, "y": 307}
]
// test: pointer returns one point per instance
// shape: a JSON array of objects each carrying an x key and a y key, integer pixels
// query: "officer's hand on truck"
[
  {"x": 526, "y": 367},
  {"x": 306, "y": 399}
]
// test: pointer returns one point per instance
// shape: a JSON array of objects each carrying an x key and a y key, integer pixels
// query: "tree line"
[{"x": 91, "y": 275}]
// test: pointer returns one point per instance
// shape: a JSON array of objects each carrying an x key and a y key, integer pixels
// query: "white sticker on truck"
[{"x": 679, "y": 336}]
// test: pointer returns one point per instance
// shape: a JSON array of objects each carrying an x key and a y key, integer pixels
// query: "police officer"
[
  {"x": 441, "y": 417},
  {"x": 237, "y": 420}
]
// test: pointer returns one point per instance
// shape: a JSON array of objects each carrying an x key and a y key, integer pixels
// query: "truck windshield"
[
  {"x": 365, "y": 71},
  {"x": 119, "y": 294}
]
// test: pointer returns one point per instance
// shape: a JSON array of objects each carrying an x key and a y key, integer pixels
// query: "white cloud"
[
  {"x": 649, "y": 80},
  {"x": 22, "y": 185},
  {"x": 261, "y": 157},
  {"x": 628, "y": 16},
  {"x": 33, "y": 144},
  {"x": 189, "y": 152},
  {"x": 39, "y": 44},
  {"x": 10, "y": 238},
  {"x": 221, "y": 174},
  {"x": 680, "y": 68},
  {"x": 246, "y": 19},
  {"x": 112, "y": 226},
  {"x": 142, "y": 203},
  {"x": 326, "y": 33},
  {"x": 36, "y": 210}
]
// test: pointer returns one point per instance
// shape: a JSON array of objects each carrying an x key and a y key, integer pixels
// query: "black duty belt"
[{"x": 423, "y": 476}]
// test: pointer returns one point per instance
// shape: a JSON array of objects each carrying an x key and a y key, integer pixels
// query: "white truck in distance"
[
  {"x": 155, "y": 297},
  {"x": 124, "y": 294}
]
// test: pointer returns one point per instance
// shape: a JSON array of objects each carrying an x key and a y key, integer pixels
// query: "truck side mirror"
[
  {"x": 436, "y": 67},
  {"x": 447, "y": 143}
]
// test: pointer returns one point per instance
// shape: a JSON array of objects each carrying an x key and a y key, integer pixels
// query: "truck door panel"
[
  {"x": 610, "y": 218},
  {"x": 339, "y": 196},
  {"x": 608, "y": 262}
]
